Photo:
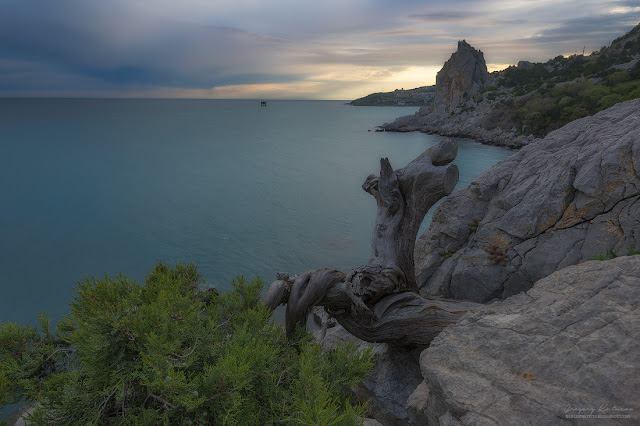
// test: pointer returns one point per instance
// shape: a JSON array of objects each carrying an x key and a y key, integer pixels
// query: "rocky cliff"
[
  {"x": 461, "y": 77},
  {"x": 557, "y": 202},
  {"x": 460, "y": 107}
]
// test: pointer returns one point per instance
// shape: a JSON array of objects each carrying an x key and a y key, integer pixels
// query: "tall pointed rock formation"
[{"x": 462, "y": 76}]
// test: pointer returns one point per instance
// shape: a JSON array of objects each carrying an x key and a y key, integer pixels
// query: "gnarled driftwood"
[{"x": 378, "y": 302}]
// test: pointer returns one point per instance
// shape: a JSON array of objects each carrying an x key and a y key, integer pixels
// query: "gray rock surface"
[
  {"x": 461, "y": 77},
  {"x": 478, "y": 123},
  {"x": 569, "y": 346},
  {"x": 394, "y": 377},
  {"x": 557, "y": 202}
]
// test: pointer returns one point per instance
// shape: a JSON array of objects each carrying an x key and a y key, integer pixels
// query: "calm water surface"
[{"x": 89, "y": 187}]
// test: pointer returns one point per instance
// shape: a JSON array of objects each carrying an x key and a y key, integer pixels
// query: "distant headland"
[
  {"x": 521, "y": 103},
  {"x": 420, "y": 96}
]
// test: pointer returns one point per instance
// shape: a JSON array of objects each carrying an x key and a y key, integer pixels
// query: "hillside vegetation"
[{"x": 541, "y": 97}]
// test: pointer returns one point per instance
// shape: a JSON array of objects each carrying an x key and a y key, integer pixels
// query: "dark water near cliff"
[{"x": 89, "y": 187}]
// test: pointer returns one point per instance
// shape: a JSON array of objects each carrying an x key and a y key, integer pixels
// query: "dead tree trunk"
[{"x": 378, "y": 302}]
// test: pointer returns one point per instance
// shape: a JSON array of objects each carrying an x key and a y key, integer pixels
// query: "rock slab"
[
  {"x": 566, "y": 349},
  {"x": 557, "y": 202}
]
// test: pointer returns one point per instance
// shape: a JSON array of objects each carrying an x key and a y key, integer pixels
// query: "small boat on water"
[{"x": 263, "y": 103}]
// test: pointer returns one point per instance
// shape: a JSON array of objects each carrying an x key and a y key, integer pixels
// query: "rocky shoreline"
[{"x": 424, "y": 121}]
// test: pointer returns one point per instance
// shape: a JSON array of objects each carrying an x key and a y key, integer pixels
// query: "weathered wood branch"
[
  {"x": 378, "y": 302},
  {"x": 407, "y": 319}
]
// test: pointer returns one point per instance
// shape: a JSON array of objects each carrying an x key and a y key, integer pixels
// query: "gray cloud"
[
  {"x": 78, "y": 45},
  {"x": 628, "y": 3},
  {"x": 444, "y": 16},
  {"x": 178, "y": 55},
  {"x": 589, "y": 28}
]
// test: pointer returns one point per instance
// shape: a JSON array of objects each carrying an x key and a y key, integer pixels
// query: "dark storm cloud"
[
  {"x": 70, "y": 37},
  {"x": 594, "y": 27},
  {"x": 37, "y": 38},
  {"x": 628, "y": 3}
]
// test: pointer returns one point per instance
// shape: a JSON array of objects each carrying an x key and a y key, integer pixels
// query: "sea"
[{"x": 90, "y": 187}]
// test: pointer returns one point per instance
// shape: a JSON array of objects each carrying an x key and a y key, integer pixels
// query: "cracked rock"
[
  {"x": 569, "y": 346},
  {"x": 557, "y": 202}
]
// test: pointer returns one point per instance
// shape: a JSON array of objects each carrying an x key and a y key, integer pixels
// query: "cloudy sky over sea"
[{"x": 295, "y": 49}]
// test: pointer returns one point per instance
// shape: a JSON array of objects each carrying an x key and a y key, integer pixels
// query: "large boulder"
[
  {"x": 461, "y": 77},
  {"x": 557, "y": 202},
  {"x": 567, "y": 349}
]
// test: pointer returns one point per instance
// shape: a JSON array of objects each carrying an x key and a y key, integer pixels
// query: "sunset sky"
[{"x": 287, "y": 49}]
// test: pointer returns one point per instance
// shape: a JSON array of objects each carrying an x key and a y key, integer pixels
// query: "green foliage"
[
  {"x": 634, "y": 73},
  {"x": 551, "y": 109},
  {"x": 167, "y": 352},
  {"x": 611, "y": 255},
  {"x": 617, "y": 78},
  {"x": 567, "y": 88}
]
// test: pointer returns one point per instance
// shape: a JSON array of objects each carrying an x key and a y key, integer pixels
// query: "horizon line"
[{"x": 162, "y": 98}]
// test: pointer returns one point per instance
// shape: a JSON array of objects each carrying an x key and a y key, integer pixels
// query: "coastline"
[
  {"x": 509, "y": 142},
  {"x": 462, "y": 125}
]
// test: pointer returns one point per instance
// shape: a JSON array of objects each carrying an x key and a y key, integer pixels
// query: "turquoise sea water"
[{"x": 89, "y": 187}]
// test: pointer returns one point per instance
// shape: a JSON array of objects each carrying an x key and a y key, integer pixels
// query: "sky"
[{"x": 279, "y": 49}]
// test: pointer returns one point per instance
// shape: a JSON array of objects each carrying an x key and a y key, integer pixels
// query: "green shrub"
[
  {"x": 617, "y": 78},
  {"x": 634, "y": 73},
  {"x": 167, "y": 352},
  {"x": 573, "y": 113},
  {"x": 609, "y": 101},
  {"x": 612, "y": 255}
]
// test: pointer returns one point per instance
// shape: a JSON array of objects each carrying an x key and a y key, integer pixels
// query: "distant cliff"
[
  {"x": 462, "y": 76},
  {"x": 522, "y": 103}
]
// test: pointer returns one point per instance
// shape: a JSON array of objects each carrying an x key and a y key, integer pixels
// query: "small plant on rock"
[
  {"x": 612, "y": 255},
  {"x": 496, "y": 254},
  {"x": 447, "y": 254}
]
